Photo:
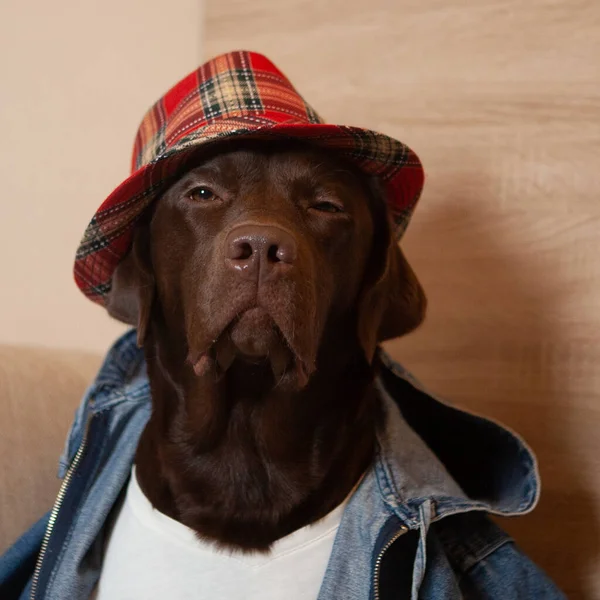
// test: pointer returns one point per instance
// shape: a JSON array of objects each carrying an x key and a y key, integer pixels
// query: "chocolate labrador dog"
[{"x": 260, "y": 284}]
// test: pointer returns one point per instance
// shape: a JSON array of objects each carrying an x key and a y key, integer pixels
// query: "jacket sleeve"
[
  {"x": 507, "y": 574},
  {"x": 17, "y": 564}
]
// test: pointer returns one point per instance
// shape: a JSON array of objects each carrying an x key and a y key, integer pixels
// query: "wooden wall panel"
[{"x": 501, "y": 99}]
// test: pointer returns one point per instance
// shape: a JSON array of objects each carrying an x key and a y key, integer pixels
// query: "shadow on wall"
[{"x": 490, "y": 345}]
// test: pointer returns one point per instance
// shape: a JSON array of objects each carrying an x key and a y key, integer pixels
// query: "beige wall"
[
  {"x": 502, "y": 101},
  {"x": 75, "y": 80}
]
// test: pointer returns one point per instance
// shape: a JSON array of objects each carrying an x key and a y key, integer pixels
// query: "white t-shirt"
[{"x": 151, "y": 556}]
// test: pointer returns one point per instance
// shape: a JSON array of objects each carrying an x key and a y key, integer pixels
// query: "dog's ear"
[
  {"x": 392, "y": 302},
  {"x": 132, "y": 291}
]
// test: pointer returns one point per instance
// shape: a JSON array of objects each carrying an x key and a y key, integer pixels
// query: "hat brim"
[{"x": 108, "y": 237}]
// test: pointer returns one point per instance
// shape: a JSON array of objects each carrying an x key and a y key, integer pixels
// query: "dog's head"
[{"x": 262, "y": 254}]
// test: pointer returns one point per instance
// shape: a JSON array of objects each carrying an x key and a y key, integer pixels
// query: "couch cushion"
[{"x": 40, "y": 389}]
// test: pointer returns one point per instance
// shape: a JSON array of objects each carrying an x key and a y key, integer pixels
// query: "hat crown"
[{"x": 236, "y": 90}]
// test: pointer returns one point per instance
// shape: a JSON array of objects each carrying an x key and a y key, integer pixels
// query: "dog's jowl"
[{"x": 250, "y": 438}]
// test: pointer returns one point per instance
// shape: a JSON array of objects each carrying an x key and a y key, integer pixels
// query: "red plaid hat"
[{"x": 236, "y": 95}]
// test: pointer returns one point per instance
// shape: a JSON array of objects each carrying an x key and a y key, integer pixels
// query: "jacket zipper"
[
  {"x": 398, "y": 534},
  {"x": 62, "y": 492}
]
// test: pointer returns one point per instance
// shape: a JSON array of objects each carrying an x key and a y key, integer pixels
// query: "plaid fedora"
[{"x": 236, "y": 95}]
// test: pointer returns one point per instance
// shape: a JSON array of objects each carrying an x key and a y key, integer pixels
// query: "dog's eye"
[
  {"x": 201, "y": 194},
  {"x": 329, "y": 207}
]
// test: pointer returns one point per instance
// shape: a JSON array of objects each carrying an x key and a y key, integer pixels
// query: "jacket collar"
[
  {"x": 427, "y": 448},
  {"x": 458, "y": 460}
]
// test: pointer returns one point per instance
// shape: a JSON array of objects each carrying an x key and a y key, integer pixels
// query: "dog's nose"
[{"x": 258, "y": 251}]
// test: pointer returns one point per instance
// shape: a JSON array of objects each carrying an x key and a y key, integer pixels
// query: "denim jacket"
[{"x": 415, "y": 528}]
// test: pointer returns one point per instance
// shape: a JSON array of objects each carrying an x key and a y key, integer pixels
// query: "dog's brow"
[
  {"x": 325, "y": 171},
  {"x": 337, "y": 174},
  {"x": 205, "y": 173}
]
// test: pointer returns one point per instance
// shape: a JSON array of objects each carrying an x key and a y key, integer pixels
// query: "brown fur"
[{"x": 264, "y": 413}]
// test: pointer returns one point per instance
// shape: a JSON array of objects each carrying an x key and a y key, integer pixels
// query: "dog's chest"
[{"x": 150, "y": 556}]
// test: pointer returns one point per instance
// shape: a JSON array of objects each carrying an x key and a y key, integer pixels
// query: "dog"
[
  {"x": 260, "y": 285},
  {"x": 252, "y": 414}
]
